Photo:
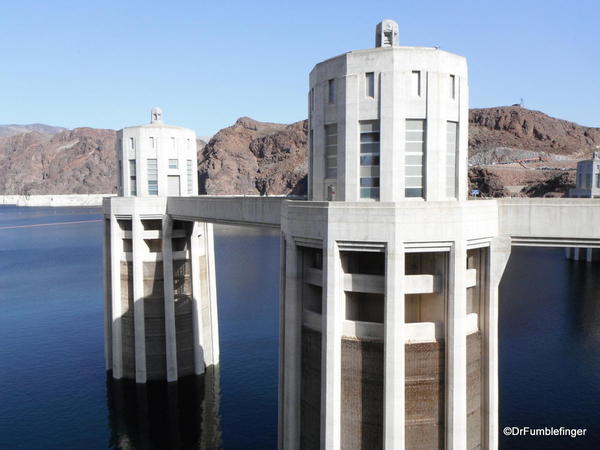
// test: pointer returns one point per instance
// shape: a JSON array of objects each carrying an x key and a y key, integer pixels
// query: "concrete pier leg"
[
  {"x": 292, "y": 317},
  {"x": 576, "y": 253},
  {"x": 106, "y": 263},
  {"x": 138, "y": 298},
  {"x": 169, "y": 298},
  {"x": 208, "y": 297},
  {"x": 331, "y": 353},
  {"x": 394, "y": 350},
  {"x": 282, "y": 340},
  {"x": 589, "y": 255},
  {"x": 195, "y": 255},
  {"x": 116, "y": 247},
  {"x": 499, "y": 254},
  {"x": 456, "y": 350}
]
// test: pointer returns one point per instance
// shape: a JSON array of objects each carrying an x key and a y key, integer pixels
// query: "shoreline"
[{"x": 54, "y": 200}]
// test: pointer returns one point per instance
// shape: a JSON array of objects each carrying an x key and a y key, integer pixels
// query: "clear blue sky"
[{"x": 206, "y": 63}]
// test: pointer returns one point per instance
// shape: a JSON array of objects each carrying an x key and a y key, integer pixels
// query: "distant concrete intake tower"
[
  {"x": 390, "y": 288},
  {"x": 160, "y": 311},
  {"x": 587, "y": 185}
]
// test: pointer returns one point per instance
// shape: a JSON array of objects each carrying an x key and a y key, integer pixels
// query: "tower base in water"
[
  {"x": 389, "y": 325},
  {"x": 160, "y": 292}
]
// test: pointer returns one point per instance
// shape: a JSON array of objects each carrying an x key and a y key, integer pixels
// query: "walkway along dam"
[{"x": 389, "y": 275}]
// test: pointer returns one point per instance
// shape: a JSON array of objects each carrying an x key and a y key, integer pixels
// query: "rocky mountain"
[
  {"x": 79, "y": 161},
  {"x": 510, "y": 133},
  {"x": 260, "y": 158},
  {"x": 11, "y": 130},
  {"x": 253, "y": 158}
]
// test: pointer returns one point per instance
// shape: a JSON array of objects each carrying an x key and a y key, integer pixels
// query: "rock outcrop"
[
  {"x": 487, "y": 183},
  {"x": 79, "y": 161},
  {"x": 557, "y": 185},
  {"x": 255, "y": 158},
  {"x": 516, "y": 128}
]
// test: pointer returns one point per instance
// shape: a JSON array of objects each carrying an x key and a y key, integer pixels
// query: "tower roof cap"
[
  {"x": 156, "y": 115},
  {"x": 387, "y": 34}
]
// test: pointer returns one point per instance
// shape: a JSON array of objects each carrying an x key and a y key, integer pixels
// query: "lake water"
[{"x": 54, "y": 392}]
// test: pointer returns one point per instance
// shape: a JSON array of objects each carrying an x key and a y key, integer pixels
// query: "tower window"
[
  {"x": 451, "y": 151},
  {"x": 311, "y": 99},
  {"x": 132, "y": 178},
  {"x": 173, "y": 144},
  {"x": 331, "y": 91},
  {"x": 121, "y": 181},
  {"x": 190, "y": 174},
  {"x": 452, "y": 87},
  {"x": 369, "y": 159},
  {"x": 173, "y": 164},
  {"x": 370, "y": 84},
  {"x": 416, "y": 83},
  {"x": 152, "y": 142},
  {"x": 414, "y": 157},
  {"x": 131, "y": 143},
  {"x": 311, "y": 166},
  {"x": 331, "y": 151},
  {"x": 152, "y": 177}
]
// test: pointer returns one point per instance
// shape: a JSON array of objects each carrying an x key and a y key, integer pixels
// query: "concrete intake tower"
[
  {"x": 389, "y": 319},
  {"x": 160, "y": 290}
]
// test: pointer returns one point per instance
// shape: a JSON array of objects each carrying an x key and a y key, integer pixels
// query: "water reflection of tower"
[
  {"x": 584, "y": 304},
  {"x": 159, "y": 415}
]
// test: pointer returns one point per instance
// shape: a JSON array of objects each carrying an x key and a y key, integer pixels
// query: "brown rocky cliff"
[
  {"x": 514, "y": 127},
  {"x": 255, "y": 158},
  {"x": 79, "y": 161}
]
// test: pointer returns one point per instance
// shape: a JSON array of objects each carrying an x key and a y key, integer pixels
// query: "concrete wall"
[
  {"x": 474, "y": 391},
  {"x": 127, "y": 320},
  {"x": 234, "y": 210},
  {"x": 551, "y": 222}
]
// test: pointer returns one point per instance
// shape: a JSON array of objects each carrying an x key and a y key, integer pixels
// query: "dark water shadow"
[{"x": 160, "y": 415}]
